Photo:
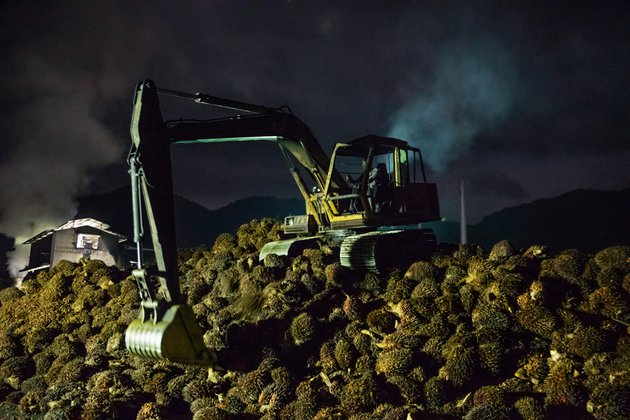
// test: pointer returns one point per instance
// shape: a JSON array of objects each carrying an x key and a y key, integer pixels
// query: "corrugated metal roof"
[
  {"x": 32, "y": 269},
  {"x": 73, "y": 224}
]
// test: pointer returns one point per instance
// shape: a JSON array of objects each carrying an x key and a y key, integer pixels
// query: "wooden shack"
[{"x": 76, "y": 239}]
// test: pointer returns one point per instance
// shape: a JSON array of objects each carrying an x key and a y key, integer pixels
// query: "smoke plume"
[
  {"x": 471, "y": 90},
  {"x": 55, "y": 141}
]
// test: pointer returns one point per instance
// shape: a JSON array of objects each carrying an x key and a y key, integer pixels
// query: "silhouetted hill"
[
  {"x": 588, "y": 220},
  {"x": 195, "y": 224}
]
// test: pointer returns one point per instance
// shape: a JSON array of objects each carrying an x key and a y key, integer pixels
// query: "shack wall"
[
  {"x": 64, "y": 246},
  {"x": 40, "y": 252}
]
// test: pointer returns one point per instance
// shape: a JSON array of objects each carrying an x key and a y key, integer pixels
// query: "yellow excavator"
[{"x": 366, "y": 200}]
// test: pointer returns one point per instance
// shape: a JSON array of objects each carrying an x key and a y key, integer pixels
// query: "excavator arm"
[{"x": 166, "y": 328}]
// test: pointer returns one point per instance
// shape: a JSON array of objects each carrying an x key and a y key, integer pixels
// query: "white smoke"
[
  {"x": 56, "y": 142},
  {"x": 472, "y": 89}
]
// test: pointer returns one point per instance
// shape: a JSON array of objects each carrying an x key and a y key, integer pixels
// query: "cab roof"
[{"x": 382, "y": 145}]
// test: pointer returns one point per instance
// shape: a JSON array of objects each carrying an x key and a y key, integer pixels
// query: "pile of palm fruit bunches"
[{"x": 464, "y": 334}]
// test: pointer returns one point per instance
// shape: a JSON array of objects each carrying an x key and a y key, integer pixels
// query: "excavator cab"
[{"x": 386, "y": 185}]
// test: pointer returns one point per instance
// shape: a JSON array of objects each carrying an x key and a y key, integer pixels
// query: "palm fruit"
[
  {"x": 352, "y": 308},
  {"x": 534, "y": 369},
  {"x": 609, "y": 401},
  {"x": 608, "y": 302},
  {"x": 302, "y": 328},
  {"x": 561, "y": 385},
  {"x": 490, "y": 322},
  {"x": 435, "y": 393},
  {"x": 345, "y": 353},
  {"x": 479, "y": 274},
  {"x": 466, "y": 334},
  {"x": 500, "y": 251},
  {"x": 613, "y": 257},
  {"x": 381, "y": 321},
  {"x": 421, "y": 271},
  {"x": 529, "y": 408},
  {"x": 409, "y": 388},
  {"x": 398, "y": 288},
  {"x": 359, "y": 395},
  {"x": 362, "y": 342},
  {"x": 491, "y": 355},
  {"x": 409, "y": 320},
  {"x": 487, "y": 411},
  {"x": 394, "y": 362},
  {"x": 461, "y": 355},
  {"x": 586, "y": 341},
  {"x": 536, "y": 319}
]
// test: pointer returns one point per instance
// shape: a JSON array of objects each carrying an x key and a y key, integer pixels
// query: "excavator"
[{"x": 367, "y": 201}]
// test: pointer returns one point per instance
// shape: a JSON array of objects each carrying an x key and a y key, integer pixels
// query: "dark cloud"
[
  {"x": 473, "y": 88},
  {"x": 524, "y": 88}
]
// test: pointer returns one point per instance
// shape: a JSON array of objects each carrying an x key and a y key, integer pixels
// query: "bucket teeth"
[
  {"x": 177, "y": 338},
  {"x": 144, "y": 338}
]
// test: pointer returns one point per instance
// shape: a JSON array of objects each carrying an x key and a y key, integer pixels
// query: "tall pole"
[{"x": 463, "y": 234}]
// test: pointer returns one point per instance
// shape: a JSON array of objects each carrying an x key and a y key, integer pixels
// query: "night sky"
[{"x": 522, "y": 100}]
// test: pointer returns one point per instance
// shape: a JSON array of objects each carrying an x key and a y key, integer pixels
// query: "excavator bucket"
[{"x": 177, "y": 337}]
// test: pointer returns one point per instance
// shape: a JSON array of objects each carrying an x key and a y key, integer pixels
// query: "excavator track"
[
  {"x": 382, "y": 251},
  {"x": 289, "y": 247}
]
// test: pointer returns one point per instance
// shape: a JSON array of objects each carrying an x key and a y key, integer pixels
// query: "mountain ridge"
[
  {"x": 195, "y": 224},
  {"x": 584, "y": 219}
]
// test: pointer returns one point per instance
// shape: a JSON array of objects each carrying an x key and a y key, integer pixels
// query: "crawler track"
[{"x": 385, "y": 250}]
